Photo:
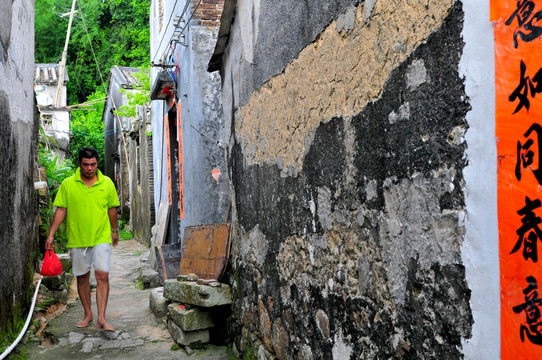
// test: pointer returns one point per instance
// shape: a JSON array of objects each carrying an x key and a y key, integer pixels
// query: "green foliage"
[
  {"x": 56, "y": 171},
  {"x": 139, "y": 97},
  {"x": 104, "y": 34},
  {"x": 125, "y": 235},
  {"x": 87, "y": 128},
  {"x": 11, "y": 329}
]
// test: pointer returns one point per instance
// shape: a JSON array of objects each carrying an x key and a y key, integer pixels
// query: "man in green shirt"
[{"x": 88, "y": 202}]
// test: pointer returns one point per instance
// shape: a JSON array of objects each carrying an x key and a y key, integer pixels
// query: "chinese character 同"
[{"x": 525, "y": 156}]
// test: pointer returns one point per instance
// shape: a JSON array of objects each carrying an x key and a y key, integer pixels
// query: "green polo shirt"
[{"x": 87, "y": 217}]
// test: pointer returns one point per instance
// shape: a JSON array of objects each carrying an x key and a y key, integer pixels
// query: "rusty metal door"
[{"x": 205, "y": 250}]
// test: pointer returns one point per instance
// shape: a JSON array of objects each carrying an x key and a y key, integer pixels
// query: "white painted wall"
[{"x": 480, "y": 250}]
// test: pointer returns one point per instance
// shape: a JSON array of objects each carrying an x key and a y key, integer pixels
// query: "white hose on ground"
[{"x": 12, "y": 346}]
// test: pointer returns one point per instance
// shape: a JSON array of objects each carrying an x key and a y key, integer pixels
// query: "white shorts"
[{"x": 83, "y": 258}]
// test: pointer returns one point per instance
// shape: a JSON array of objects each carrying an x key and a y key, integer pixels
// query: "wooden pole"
[{"x": 62, "y": 66}]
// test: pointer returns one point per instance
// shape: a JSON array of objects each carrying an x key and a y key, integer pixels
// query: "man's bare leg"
[
  {"x": 83, "y": 289},
  {"x": 102, "y": 295}
]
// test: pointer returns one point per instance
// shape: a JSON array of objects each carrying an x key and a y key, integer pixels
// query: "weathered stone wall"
[
  {"x": 205, "y": 199},
  {"x": 347, "y": 157},
  {"x": 142, "y": 215},
  {"x": 18, "y": 148}
]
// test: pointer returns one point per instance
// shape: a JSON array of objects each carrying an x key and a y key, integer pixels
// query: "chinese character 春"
[
  {"x": 526, "y": 156},
  {"x": 527, "y": 28},
  {"x": 526, "y": 86},
  {"x": 529, "y": 233},
  {"x": 532, "y": 326}
]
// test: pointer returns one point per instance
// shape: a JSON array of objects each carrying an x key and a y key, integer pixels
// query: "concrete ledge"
[
  {"x": 194, "y": 294},
  {"x": 157, "y": 302},
  {"x": 190, "y": 319},
  {"x": 187, "y": 337}
]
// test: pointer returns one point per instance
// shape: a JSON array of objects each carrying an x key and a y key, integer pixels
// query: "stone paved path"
[{"x": 139, "y": 335}]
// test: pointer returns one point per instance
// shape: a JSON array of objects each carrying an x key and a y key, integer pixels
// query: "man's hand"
[
  {"x": 115, "y": 238},
  {"x": 49, "y": 242}
]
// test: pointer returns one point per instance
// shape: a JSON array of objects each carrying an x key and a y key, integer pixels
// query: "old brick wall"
[
  {"x": 347, "y": 156},
  {"x": 18, "y": 148},
  {"x": 207, "y": 12}
]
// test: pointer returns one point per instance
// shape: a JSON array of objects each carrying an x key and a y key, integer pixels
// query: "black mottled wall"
[
  {"x": 346, "y": 157},
  {"x": 18, "y": 219}
]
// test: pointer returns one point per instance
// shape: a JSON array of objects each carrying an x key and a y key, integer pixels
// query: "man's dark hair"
[{"x": 88, "y": 153}]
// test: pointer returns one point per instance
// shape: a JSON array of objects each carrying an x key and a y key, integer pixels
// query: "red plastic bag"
[{"x": 51, "y": 264}]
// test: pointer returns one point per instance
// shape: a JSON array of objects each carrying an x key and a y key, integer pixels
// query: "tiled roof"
[{"x": 48, "y": 74}]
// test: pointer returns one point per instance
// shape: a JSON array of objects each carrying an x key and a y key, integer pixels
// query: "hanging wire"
[
  {"x": 194, "y": 9},
  {"x": 165, "y": 31}
]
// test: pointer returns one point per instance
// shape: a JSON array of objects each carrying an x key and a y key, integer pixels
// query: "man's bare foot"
[
  {"x": 105, "y": 327},
  {"x": 84, "y": 323}
]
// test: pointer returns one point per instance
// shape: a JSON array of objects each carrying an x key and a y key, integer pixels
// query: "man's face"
[{"x": 88, "y": 167}]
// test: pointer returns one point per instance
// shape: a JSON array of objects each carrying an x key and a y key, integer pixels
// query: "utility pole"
[{"x": 62, "y": 66}]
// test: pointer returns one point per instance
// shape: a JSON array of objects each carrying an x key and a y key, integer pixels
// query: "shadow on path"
[{"x": 139, "y": 334}]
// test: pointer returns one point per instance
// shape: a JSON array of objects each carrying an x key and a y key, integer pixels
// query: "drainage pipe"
[{"x": 23, "y": 331}]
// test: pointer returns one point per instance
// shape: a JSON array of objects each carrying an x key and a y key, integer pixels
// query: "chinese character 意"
[{"x": 532, "y": 326}]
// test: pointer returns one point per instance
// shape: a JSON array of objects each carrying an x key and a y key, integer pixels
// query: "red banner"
[{"x": 518, "y": 82}]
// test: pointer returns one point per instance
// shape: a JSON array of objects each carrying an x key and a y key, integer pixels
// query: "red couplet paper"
[{"x": 518, "y": 85}]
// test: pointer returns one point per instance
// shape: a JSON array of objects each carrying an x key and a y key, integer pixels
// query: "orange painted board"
[
  {"x": 181, "y": 164},
  {"x": 518, "y": 73},
  {"x": 168, "y": 159},
  {"x": 205, "y": 250}
]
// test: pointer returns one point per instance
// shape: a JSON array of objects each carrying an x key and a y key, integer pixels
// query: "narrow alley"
[
  {"x": 339, "y": 179},
  {"x": 139, "y": 335}
]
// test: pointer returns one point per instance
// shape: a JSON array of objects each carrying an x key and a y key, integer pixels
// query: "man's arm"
[
  {"x": 112, "y": 213},
  {"x": 58, "y": 218}
]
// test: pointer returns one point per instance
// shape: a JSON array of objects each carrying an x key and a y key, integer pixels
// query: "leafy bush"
[
  {"x": 56, "y": 171},
  {"x": 87, "y": 128}
]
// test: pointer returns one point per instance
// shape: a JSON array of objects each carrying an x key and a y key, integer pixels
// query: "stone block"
[
  {"x": 57, "y": 282},
  {"x": 157, "y": 302},
  {"x": 199, "y": 295},
  {"x": 149, "y": 278},
  {"x": 65, "y": 261},
  {"x": 187, "y": 337},
  {"x": 190, "y": 319}
]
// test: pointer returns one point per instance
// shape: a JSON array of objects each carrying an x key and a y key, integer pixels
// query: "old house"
[
  {"x": 362, "y": 152},
  {"x": 189, "y": 154},
  {"x": 128, "y": 153},
  {"x": 18, "y": 148},
  {"x": 52, "y": 100}
]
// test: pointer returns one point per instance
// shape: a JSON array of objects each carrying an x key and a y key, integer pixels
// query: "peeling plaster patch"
[
  {"x": 249, "y": 14},
  {"x": 347, "y": 20},
  {"x": 336, "y": 76},
  {"x": 255, "y": 249},
  {"x": 404, "y": 114},
  {"x": 414, "y": 223},
  {"x": 5, "y": 27},
  {"x": 341, "y": 349},
  {"x": 371, "y": 189},
  {"x": 324, "y": 208},
  {"x": 416, "y": 74},
  {"x": 457, "y": 135},
  {"x": 368, "y": 10},
  {"x": 364, "y": 269}
]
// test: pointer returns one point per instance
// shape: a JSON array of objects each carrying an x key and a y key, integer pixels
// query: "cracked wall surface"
[
  {"x": 337, "y": 75},
  {"x": 18, "y": 146},
  {"x": 347, "y": 173}
]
